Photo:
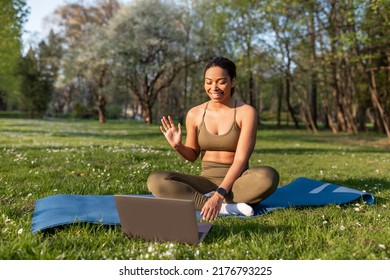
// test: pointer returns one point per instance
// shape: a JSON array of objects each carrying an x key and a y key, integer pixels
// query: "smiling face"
[{"x": 218, "y": 84}]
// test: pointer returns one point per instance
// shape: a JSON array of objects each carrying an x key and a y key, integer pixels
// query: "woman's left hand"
[{"x": 212, "y": 207}]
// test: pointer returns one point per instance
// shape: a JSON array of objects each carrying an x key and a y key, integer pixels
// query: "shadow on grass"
[
  {"x": 243, "y": 228},
  {"x": 370, "y": 184},
  {"x": 133, "y": 147},
  {"x": 301, "y": 151},
  {"x": 79, "y": 134},
  {"x": 78, "y": 228},
  {"x": 118, "y": 136}
]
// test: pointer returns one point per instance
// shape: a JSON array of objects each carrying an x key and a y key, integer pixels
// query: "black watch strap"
[{"x": 222, "y": 192}]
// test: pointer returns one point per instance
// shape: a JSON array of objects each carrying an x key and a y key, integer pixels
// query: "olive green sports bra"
[{"x": 225, "y": 142}]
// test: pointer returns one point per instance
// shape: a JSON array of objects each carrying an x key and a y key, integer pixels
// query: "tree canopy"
[
  {"x": 13, "y": 14},
  {"x": 312, "y": 63}
]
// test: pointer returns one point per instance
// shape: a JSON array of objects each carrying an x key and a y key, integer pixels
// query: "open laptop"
[{"x": 160, "y": 219}]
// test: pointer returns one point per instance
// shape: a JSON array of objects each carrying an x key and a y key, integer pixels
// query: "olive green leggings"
[{"x": 254, "y": 185}]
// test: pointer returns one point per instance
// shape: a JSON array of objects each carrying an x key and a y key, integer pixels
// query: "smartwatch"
[{"x": 222, "y": 192}]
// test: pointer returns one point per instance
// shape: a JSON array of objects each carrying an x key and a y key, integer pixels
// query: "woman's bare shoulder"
[
  {"x": 245, "y": 108},
  {"x": 196, "y": 110},
  {"x": 194, "y": 114},
  {"x": 245, "y": 113}
]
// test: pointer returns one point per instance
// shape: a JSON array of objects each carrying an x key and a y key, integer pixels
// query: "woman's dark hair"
[{"x": 225, "y": 64}]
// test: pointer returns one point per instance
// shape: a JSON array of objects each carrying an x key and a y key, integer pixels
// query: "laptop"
[{"x": 160, "y": 219}]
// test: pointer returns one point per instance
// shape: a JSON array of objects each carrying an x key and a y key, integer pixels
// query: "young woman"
[{"x": 223, "y": 132}]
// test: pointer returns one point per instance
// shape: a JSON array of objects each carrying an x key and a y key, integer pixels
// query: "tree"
[
  {"x": 149, "y": 51},
  {"x": 87, "y": 57},
  {"x": 49, "y": 54},
  {"x": 245, "y": 32},
  {"x": 374, "y": 58},
  {"x": 36, "y": 86},
  {"x": 13, "y": 15},
  {"x": 283, "y": 25},
  {"x": 316, "y": 60}
]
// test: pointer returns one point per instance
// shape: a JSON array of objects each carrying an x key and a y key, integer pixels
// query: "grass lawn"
[{"x": 39, "y": 158}]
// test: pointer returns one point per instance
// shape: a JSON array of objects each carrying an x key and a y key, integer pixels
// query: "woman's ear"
[{"x": 233, "y": 82}]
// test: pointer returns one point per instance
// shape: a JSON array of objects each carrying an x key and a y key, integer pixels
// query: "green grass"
[{"x": 40, "y": 158}]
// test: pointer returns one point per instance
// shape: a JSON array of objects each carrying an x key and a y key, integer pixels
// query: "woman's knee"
[
  {"x": 273, "y": 174},
  {"x": 155, "y": 182},
  {"x": 268, "y": 174}
]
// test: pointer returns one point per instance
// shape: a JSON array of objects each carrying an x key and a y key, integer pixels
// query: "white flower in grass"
[
  {"x": 167, "y": 254},
  {"x": 6, "y": 219},
  {"x": 342, "y": 228},
  {"x": 20, "y": 231},
  {"x": 382, "y": 246}
]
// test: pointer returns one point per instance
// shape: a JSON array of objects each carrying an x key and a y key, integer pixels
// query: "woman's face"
[{"x": 218, "y": 84}]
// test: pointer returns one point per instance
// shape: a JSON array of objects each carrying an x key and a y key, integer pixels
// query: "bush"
[{"x": 114, "y": 111}]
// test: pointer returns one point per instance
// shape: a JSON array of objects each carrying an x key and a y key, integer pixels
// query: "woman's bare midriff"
[{"x": 218, "y": 156}]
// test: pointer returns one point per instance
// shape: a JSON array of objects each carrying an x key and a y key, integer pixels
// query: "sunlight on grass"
[{"x": 41, "y": 158}]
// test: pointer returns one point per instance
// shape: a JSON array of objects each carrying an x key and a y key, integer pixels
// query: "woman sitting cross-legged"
[{"x": 222, "y": 131}]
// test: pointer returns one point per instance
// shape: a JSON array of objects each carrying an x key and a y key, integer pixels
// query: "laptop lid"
[{"x": 160, "y": 219}]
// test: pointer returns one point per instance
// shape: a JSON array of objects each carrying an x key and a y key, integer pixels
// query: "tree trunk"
[
  {"x": 306, "y": 110},
  {"x": 251, "y": 90},
  {"x": 101, "y": 107},
  {"x": 289, "y": 107},
  {"x": 280, "y": 98},
  {"x": 342, "y": 68},
  {"x": 99, "y": 97},
  {"x": 377, "y": 105},
  {"x": 148, "y": 114},
  {"x": 312, "y": 36},
  {"x": 3, "y": 100}
]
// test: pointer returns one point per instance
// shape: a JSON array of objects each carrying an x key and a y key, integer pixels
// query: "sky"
[{"x": 35, "y": 29}]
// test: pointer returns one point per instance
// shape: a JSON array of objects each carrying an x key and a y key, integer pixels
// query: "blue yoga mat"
[{"x": 65, "y": 209}]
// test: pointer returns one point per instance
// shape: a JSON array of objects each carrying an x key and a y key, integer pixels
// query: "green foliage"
[
  {"x": 36, "y": 86},
  {"x": 13, "y": 14},
  {"x": 319, "y": 61},
  {"x": 150, "y": 52},
  {"x": 40, "y": 158},
  {"x": 114, "y": 112},
  {"x": 83, "y": 112}
]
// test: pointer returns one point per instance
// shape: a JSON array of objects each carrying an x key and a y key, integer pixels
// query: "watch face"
[{"x": 221, "y": 191}]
